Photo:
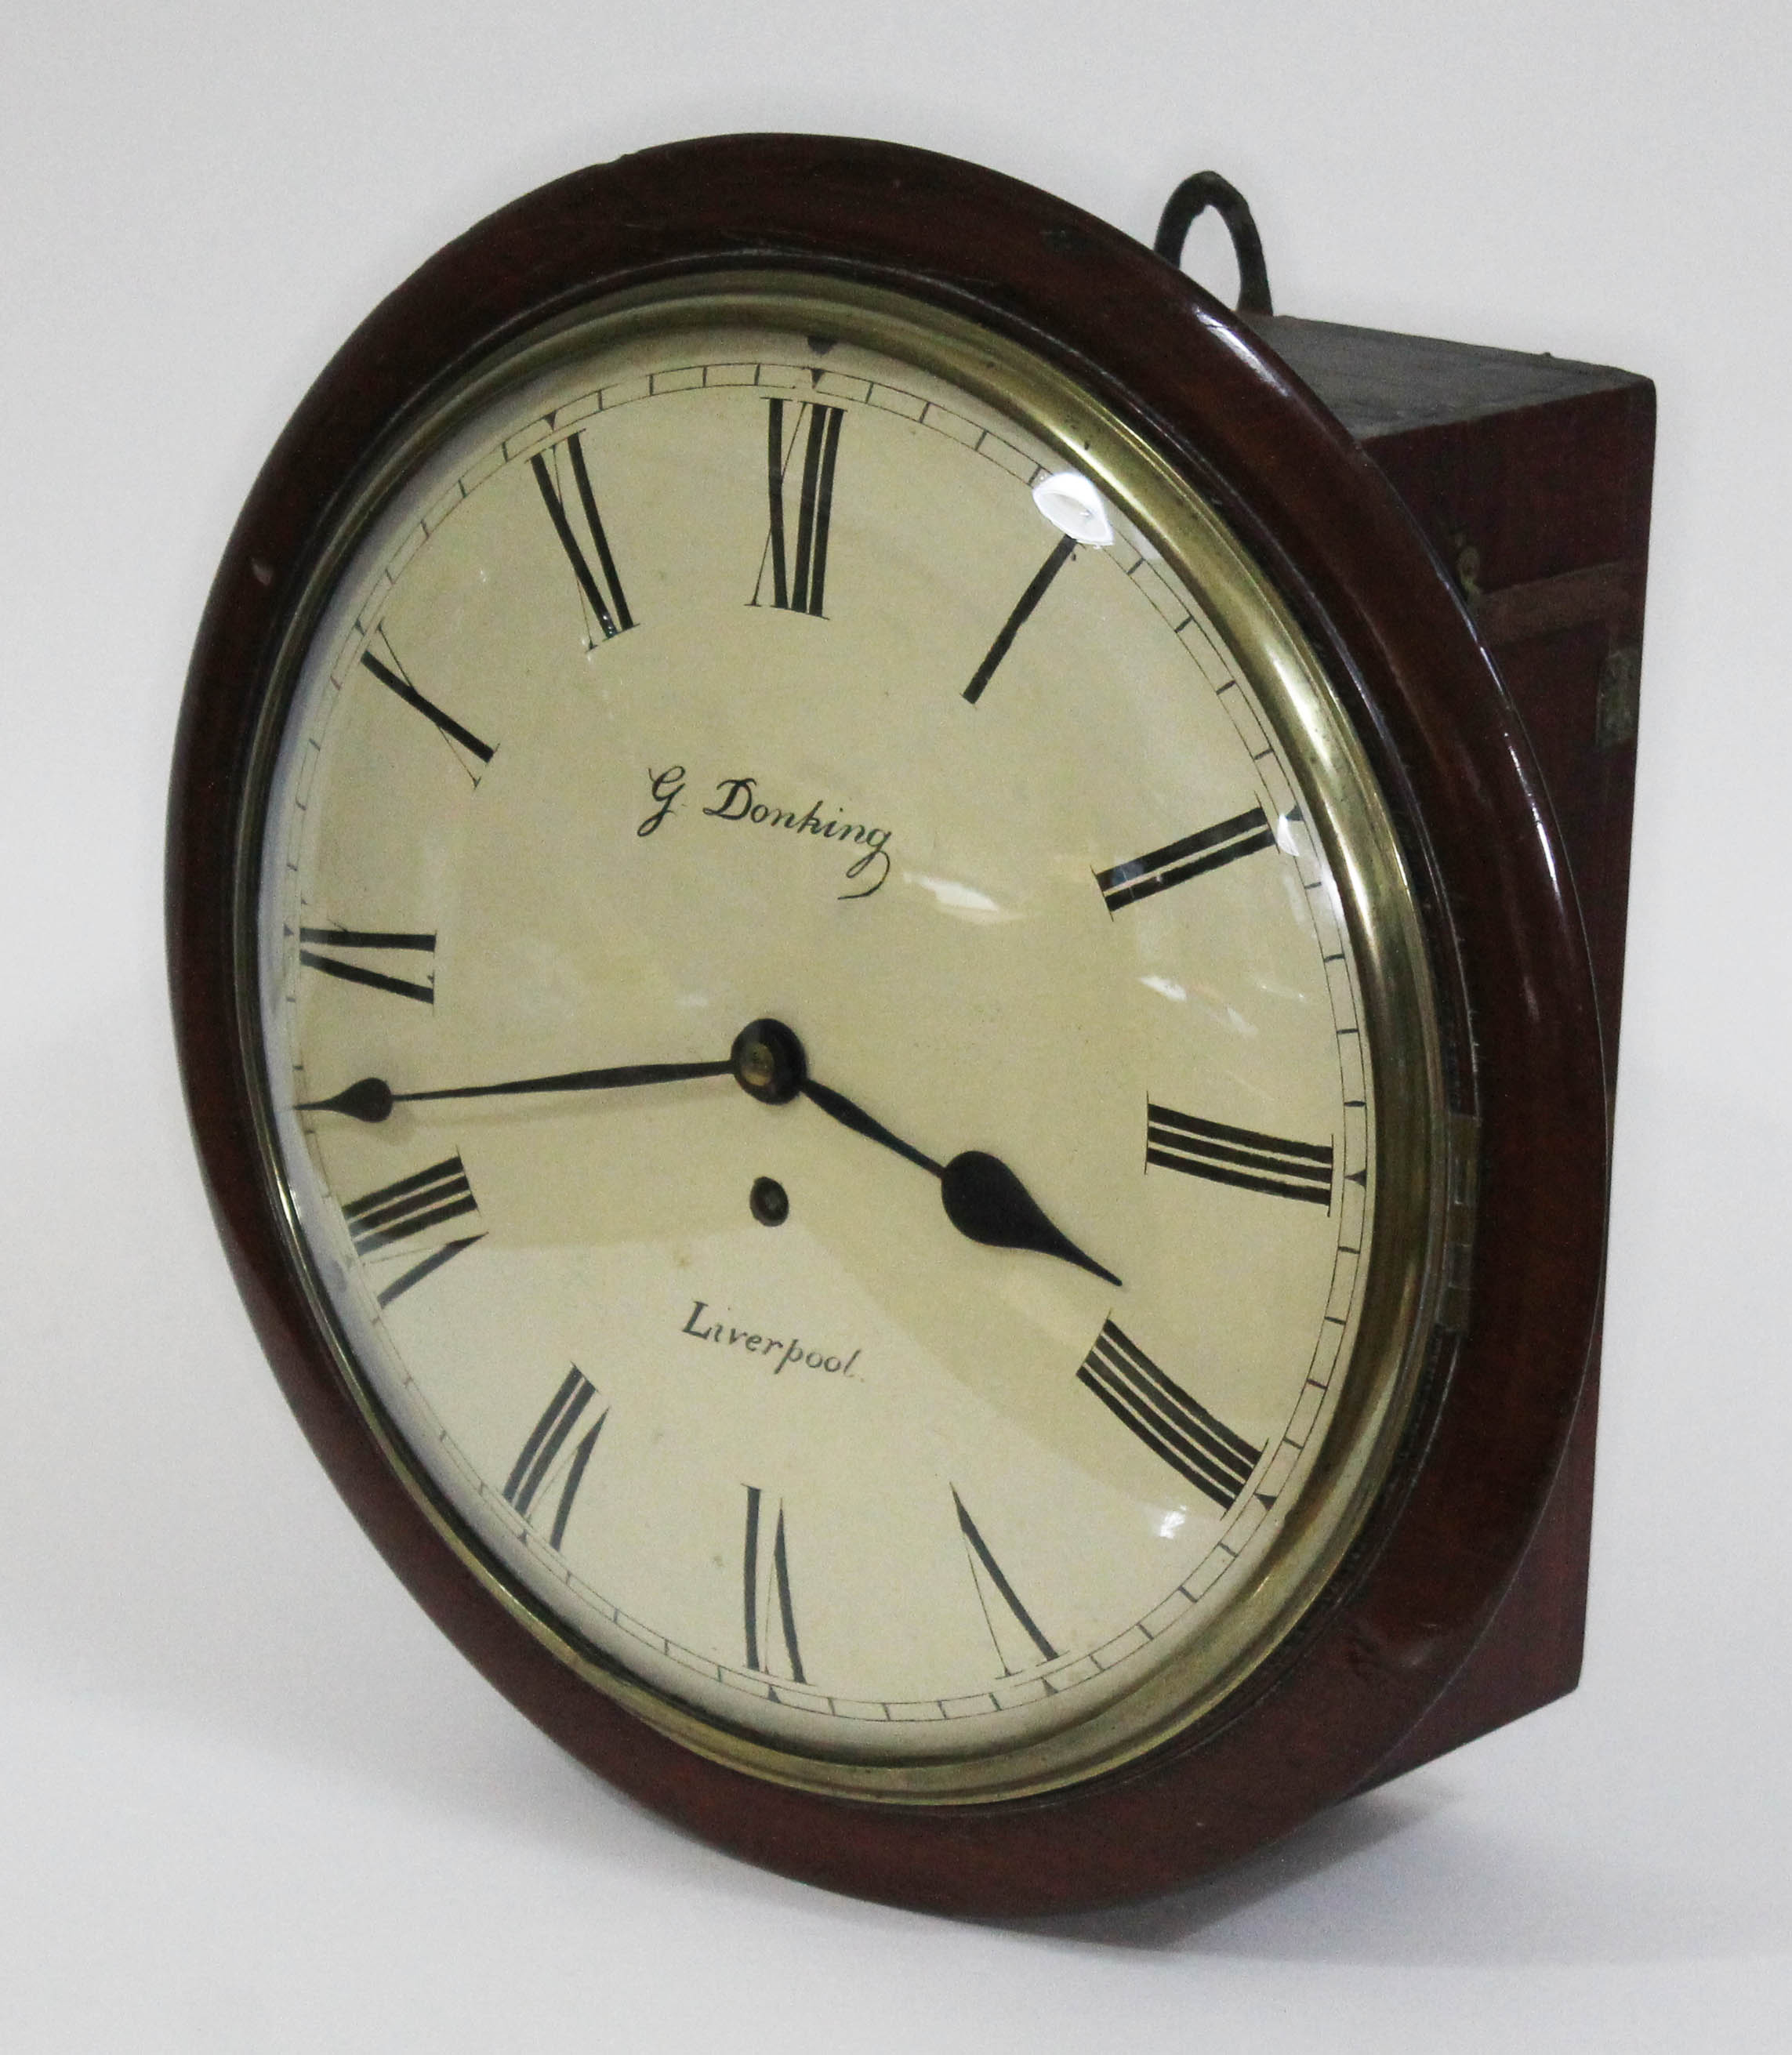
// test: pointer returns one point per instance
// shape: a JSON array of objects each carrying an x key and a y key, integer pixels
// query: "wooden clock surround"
[
  {"x": 1461, "y": 1604},
  {"x": 1529, "y": 477}
]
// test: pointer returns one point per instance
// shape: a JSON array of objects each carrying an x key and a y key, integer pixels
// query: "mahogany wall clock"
[{"x": 889, "y": 1026}]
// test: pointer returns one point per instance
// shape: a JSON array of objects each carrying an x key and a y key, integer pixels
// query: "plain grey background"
[{"x": 248, "y": 1799}]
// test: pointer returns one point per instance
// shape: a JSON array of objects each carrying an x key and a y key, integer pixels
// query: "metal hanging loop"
[{"x": 1194, "y": 196}]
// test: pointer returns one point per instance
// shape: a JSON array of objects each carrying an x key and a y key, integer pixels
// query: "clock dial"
[{"x": 729, "y": 1069}]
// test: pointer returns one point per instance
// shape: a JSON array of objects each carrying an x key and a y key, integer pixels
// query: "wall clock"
[{"x": 889, "y": 1026}]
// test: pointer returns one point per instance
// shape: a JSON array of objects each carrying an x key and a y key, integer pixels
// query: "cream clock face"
[{"x": 820, "y": 1040}]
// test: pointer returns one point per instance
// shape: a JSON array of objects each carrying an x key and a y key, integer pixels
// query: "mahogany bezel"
[{"x": 1450, "y": 1525}]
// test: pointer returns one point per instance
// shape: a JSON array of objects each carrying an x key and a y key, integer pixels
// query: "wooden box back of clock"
[
  {"x": 1210, "y": 1436},
  {"x": 1530, "y": 478}
]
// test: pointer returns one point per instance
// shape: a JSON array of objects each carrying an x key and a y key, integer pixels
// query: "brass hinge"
[
  {"x": 1462, "y": 1140},
  {"x": 1616, "y": 723}
]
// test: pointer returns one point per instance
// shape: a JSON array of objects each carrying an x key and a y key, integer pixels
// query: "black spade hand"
[
  {"x": 372, "y": 1098},
  {"x": 985, "y": 1199}
]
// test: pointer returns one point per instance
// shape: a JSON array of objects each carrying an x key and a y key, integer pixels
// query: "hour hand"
[
  {"x": 372, "y": 1099},
  {"x": 985, "y": 1199}
]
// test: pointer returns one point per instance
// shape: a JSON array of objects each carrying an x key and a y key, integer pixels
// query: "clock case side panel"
[
  {"x": 1440, "y": 1547},
  {"x": 1530, "y": 478}
]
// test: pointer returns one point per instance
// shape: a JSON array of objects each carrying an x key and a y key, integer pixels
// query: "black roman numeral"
[
  {"x": 1167, "y": 1419},
  {"x": 312, "y": 941},
  {"x": 1061, "y": 555},
  {"x": 797, "y": 583},
  {"x": 986, "y": 1575},
  {"x": 600, "y": 590},
  {"x": 1239, "y": 1156},
  {"x": 396, "y": 1212},
  {"x": 392, "y": 675},
  {"x": 1242, "y": 835},
  {"x": 542, "y": 1452},
  {"x": 767, "y": 1597},
  {"x": 411, "y": 1206}
]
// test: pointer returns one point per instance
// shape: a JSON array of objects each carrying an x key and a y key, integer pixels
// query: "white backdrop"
[{"x": 249, "y": 1799}]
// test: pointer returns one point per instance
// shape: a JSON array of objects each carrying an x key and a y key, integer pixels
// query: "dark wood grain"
[
  {"x": 1443, "y": 1543},
  {"x": 1538, "y": 472}
]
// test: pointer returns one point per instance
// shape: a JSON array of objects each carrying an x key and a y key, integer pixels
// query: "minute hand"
[
  {"x": 372, "y": 1098},
  {"x": 983, "y": 1198}
]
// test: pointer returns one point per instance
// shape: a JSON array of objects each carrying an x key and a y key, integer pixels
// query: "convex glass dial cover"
[{"x": 844, "y": 1039}]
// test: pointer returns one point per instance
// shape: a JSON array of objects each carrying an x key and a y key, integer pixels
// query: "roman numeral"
[
  {"x": 392, "y": 675},
  {"x": 767, "y": 1594},
  {"x": 1242, "y": 835},
  {"x": 1061, "y": 555},
  {"x": 396, "y": 1212},
  {"x": 411, "y": 1207},
  {"x": 797, "y": 584},
  {"x": 542, "y": 1452},
  {"x": 1239, "y": 1156},
  {"x": 312, "y": 941},
  {"x": 1006, "y": 1613},
  {"x": 1167, "y": 1419},
  {"x": 600, "y": 590}
]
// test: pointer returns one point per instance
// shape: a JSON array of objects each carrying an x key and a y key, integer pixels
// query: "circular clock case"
[{"x": 884, "y": 1023}]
